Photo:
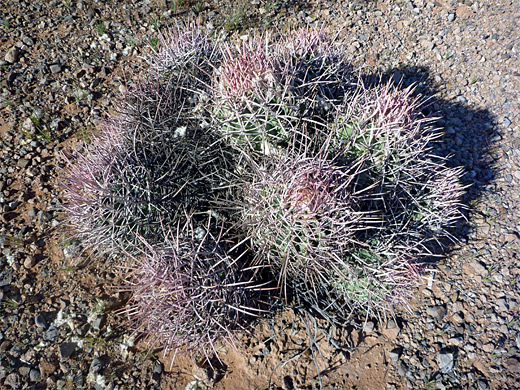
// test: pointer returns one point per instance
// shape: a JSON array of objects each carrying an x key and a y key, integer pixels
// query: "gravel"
[{"x": 59, "y": 72}]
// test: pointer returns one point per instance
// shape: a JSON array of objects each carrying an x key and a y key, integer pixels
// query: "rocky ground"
[{"x": 63, "y": 64}]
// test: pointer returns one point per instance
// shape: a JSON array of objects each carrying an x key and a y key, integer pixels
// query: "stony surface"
[{"x": 63, "y": 64}]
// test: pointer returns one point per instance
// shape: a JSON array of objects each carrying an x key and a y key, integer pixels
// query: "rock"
[
  {"x": 29, "y": 262},
  {"x": 395, "y": 354},
  {"x": 502, "y": 305},
  {"x": 457, "y": 318},
  {"x": 12, "y": 55},
  {"x": 27, "y": 40},
  {"x": 32, "y": 212},
  {"x": 158, "y": 369},
  {"x": 66, "y": 350},
  {"x": 34, "y": 375},
  {"x": 13, "y": 380},
  {"x": 208, "y": 373},
  {"x": 51, "y": 334},
  {"x": 513, "y": 364},
  {"x": 28, "y": 125},
  {"x": 47, "y": 368},
  {"x": 39, "y": 320},
  {"x": 23, "y": 163},
  {"x": 368, "y": 327},
  {"x": 489, "y": 347},
  {"x": 99, "y": 322},
  {"x": 402, "y": 369},
  {"x": 82, "y": 329},
  {"x": 391, "y": 330},
  {"x": 72, "y": 250},
  {"x": 436, "y": 312},
  {"x": 427, "y": 44},
  {"x": 45, "y": 216},
  {"x": 458, "y": 306},
  {"x": 288, "y": 383},
  {"x": 456, "y": 341},
  {"x": 462, "y": 100},
  {"x": 24, "y": 370},
  {"x": 195, "y": 385},
  {"x": 56, "y": 68},
  {"x": 78, "y": 380},
  {"x": 397, "y": 77},
  {"x": 464, "y": 11},
  {"x": 6, "y": 277},
  {"x": 478, "y": 268},
  {"x": 96, "y": 365},
  {"x": 482, "y": 384},
  {"x": 203, "y": 374},
  {"x": 445, "y": 361}
]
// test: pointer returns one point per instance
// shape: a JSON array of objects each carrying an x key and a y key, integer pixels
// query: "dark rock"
[
  {"x": 288, "y": 383},
  {"x": 66, "y": 350},
  {"x": 158, "y": 369},
  {"x": 96, "y": 365},
  {"x": 83, "y": 329},
  {"x": 39, "y": 320}
]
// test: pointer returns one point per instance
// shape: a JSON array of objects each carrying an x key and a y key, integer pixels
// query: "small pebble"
[
  {"x": 12, "y": 55},
  {"x": 56, "y": 68}
]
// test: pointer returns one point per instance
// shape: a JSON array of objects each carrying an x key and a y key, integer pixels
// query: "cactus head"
[
  {"x": 188, "y": 293},
  {"x": 300, "y": 216}
]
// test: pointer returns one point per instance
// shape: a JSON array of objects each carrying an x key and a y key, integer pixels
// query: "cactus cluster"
[{"x": 270, "y": 156}]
